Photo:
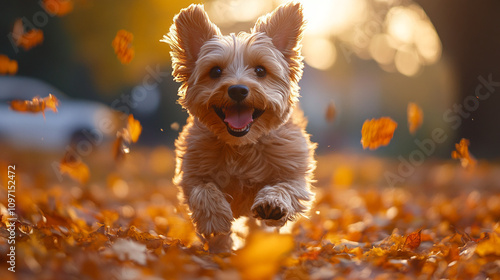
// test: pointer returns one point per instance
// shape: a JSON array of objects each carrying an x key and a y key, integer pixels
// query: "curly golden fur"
[{"x": 244, "y": 150}]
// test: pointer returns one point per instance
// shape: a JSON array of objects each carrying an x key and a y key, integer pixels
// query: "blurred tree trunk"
[{"x": 470, "y": 34}]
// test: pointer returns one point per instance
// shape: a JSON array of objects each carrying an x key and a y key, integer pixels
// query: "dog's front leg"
[
  {"x": 277, "y": 204},
  {"x": 211, "y": 213}
]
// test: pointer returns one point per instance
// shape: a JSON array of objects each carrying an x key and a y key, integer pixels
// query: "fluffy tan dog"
[{"x": 244, "y": 150}]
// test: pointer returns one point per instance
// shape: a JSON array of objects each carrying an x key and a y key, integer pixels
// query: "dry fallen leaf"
[
  {"x": 36, "y": 105},
  {"x": 413, "y": 240},
  {"x": 262, "y": 255},
  {"x": 7, "y": 66},
  {"x": 415, "y": 117},
  {"x": 130, "y": 250},
  {"x": 377, "y": 132},
  {"x": 489, "y": 246},
  {"x": 122, "y": 44},
  {"x": 462, "y": 153},
  {"x": 58, "y": 7},
  {"x": 75, "y": 168}
]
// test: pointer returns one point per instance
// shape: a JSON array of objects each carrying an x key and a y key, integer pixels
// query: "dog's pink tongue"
[{"x": 238, "y": 117}]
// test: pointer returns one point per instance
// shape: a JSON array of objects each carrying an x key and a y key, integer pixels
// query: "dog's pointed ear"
[
  {"x": 191, "y": 29},
  {"x": 285, "y": 26}
]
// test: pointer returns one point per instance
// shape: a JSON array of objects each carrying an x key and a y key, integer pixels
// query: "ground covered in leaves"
[{"x": 126, "y": 223}]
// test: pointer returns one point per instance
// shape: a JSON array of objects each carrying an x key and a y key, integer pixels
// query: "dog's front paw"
[
  {"x": 268, "y": 212},
  {"x": 211, "y": 213},
  {"x": 272, "y": 210}
]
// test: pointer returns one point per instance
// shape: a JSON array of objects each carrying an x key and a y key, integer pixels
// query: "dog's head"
[{"x": 239, "y": 86}]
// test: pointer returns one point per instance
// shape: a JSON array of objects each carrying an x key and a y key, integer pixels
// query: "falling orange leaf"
[
  {"x": 134, "y": 128},
  {"x": 127, "y": 135},
  {"x": 377, "y": 132},
  {"x": 122, "y": 44},
  {"x": 331, "y": 112},
  {"x": 58, "y": 7},
  {"x": 26, "y": 40},
  {"x": 7, "y": 66},
  {"x": 413, "y": 240},
  {"x": 75, "y": 168},
  {"x": 262, "y": 255},
  {"x": 415, "y": 117},
  {"x": 462, "y": 153},
  {"x": 31, "y": 39},
  {"x": 36, "y": 105}
]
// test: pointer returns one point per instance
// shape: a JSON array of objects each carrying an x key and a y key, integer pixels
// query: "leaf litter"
[{"x": 131, "y": 223}]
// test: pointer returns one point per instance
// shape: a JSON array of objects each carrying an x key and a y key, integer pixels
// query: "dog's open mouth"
[{"x": 238, "y": 118}]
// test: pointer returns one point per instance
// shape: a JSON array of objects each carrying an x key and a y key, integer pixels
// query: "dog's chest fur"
[{"x": 241, "y": 171}]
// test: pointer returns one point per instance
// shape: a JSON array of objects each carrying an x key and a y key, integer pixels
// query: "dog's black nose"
[{"x": 238, "y": 92}]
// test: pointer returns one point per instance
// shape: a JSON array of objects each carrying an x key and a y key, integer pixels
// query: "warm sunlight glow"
[
  {"x": 382, "y": 49},
  {"x": 398, "y": 36},
  {"x": 401, "y": 23},
  {"x": 407, "y": 62},
  {"x": 428, "y": 44},
  {"x": 319, "y": 52},
  {"x": 226, "y": 13},
  {"x": 333, "y": 16}
]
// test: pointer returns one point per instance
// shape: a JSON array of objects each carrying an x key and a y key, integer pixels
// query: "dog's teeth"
[{"x": 239, "y": 130}]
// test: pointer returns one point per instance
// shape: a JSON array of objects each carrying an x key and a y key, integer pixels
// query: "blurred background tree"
[{"x": 470, "y": 33}]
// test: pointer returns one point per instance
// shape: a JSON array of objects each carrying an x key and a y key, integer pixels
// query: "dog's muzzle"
[{"x": 238, "y": 118}]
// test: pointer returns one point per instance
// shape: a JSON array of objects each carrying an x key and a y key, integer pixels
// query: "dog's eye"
[
  {"x": 260, "y": 71},
  {"x": 215, "y": 72}
]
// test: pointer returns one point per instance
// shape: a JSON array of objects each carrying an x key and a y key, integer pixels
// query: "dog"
[{"x": 244, "y": 150}]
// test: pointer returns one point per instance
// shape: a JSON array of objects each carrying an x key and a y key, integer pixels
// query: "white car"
[{"x": 76, "y": 121}]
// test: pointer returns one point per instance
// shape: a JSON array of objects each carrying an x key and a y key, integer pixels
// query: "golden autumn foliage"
[
  {"x": 462, "y": 153},
  {"x": 36, "y": 105},
  {"x": 128, "y": 221},
  {"x": 489, "y": 246},
  {"x": 122, "y": 44},
  {"x": 415, "y": 117},
  {"x": 7, "y": 66},
  {"x": 377, "y": 132}
]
